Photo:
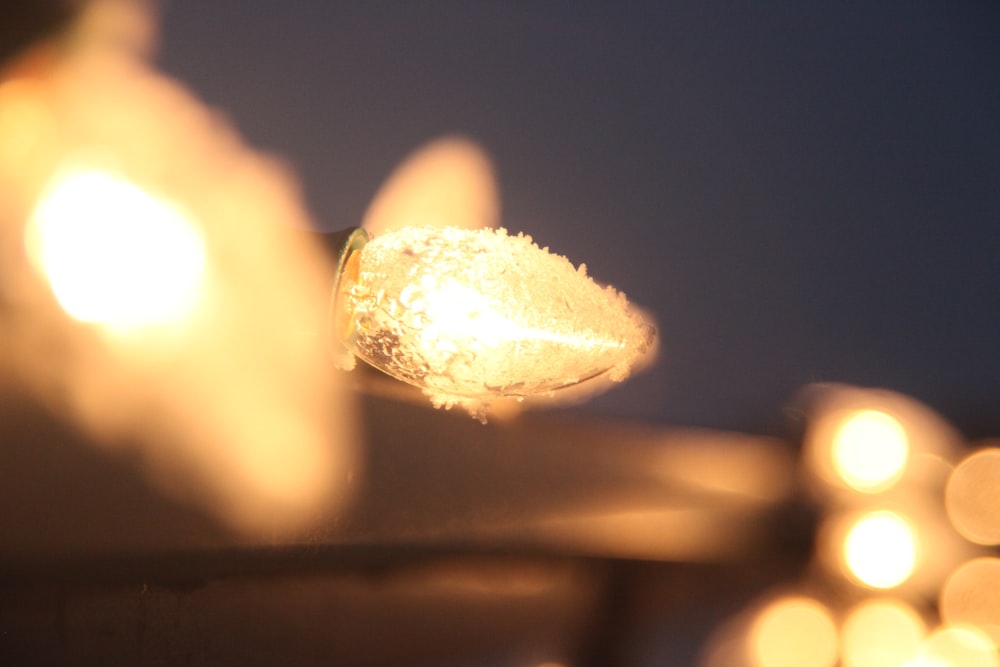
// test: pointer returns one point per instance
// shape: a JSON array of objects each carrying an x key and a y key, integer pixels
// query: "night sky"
[{"x": 800, "y": 191}]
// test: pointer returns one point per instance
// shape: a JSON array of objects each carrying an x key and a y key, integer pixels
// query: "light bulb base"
[{"x": 343, "y": 245}]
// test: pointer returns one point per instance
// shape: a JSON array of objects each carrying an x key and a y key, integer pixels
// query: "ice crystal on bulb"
[{"x": 473, "y": 315}]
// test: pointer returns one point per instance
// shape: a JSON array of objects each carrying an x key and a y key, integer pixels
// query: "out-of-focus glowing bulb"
[
  {"x": 971, "y": 596},
  {"x": 957, "y": 646},
  {"x": 972, "y": 497},
  {"x": 794, "y": 632},
  {"x": 880, "y": 549},
  {"x": 474, "y": 315},
  {"x": 114, "y": 254},
  {"x": 881, "y": 633},
  {"x": 870, "y": 450}
]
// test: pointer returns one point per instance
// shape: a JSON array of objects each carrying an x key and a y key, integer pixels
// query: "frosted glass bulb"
[{"x": 474, "y": 315}]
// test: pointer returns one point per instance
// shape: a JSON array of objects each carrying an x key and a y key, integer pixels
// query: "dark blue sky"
[{"x": 801, "y": 191}]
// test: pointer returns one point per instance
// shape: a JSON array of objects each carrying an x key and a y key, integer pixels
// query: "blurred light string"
[{"x": 883, "y": 468}]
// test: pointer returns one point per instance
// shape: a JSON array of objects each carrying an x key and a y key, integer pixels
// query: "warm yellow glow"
[
  {"x": 972, "y": 497},
  {"x": 474, "y": 315},
  {"x": 880, "y": 549},
  {"x": 114, "y": 254},
  {"x": 964, "y": 646},
  {"x": 794, "y": 632},
  {"x": 972, "y": 596},
  {"x": 870, "y": 440},
  {"x": 447, "y": 183},
  {"x": 869, "y": 450},
  {"x": 139, "y": 206},
  {"x": 24, "y": 123},
  {"x": 881, "y": 633}
]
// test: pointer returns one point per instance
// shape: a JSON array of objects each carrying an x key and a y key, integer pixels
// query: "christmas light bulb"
[
  {"x": 470, "y": 316},
  {"x": 115, "y": 254}
]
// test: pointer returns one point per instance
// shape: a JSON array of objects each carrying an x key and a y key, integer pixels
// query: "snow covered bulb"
[{"x": 474, "y": 315}]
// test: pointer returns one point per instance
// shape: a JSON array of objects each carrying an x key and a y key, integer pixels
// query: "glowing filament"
[
  {"x": 471, "y": 315},
  {"x": 880, "y": 550},
  {"x": 114, "y": 254}
]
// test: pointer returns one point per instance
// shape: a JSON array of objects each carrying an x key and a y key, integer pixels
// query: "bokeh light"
[
  {"x": 870, "y": 450},
  {"x": 880, "y": 549},
  {"x": 972, "y": 596},
  {"x": 957, "y": 647},
  {"x": 145, "y": 216},
  {"x": 881, "y": 633},
  {"x": 794, "y": 632},
  {"x": 873, "y": 441},
  {"x": 114, "y": 254},
  {"x": 972, "y": 497}
]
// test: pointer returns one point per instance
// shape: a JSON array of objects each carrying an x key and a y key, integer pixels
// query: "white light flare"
[
  {"x": 870, "y": 450},
  {"x": 114, "y": 254},
  {"x": 880, "y": 549}
]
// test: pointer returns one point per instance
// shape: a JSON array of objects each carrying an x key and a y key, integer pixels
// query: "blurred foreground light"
[
  {"x": 957, "y": 647},
  {"x": 146, "y": 217},
  {"x": 972, "y": 497},
  {"x": 880, "y": 549},
  {"x": 794, "y": 632},
  {"x": 474, "y": 315},
  {"x": 971, "y": 596},
  {"x": 870, "y": 450},
  {"x": 881, "y": 633},
  {"x": 114, "y": 254}
]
